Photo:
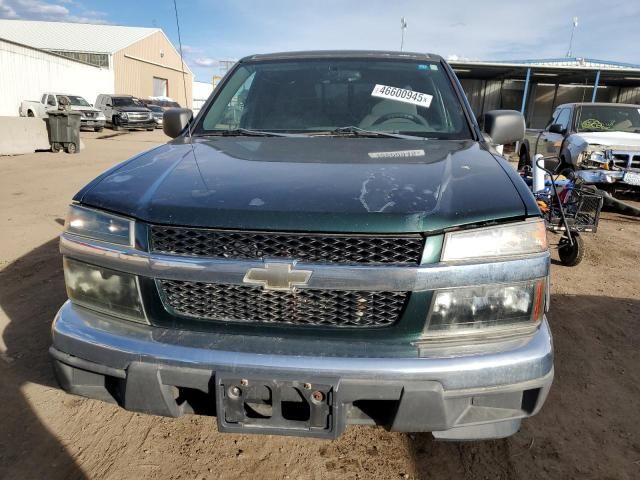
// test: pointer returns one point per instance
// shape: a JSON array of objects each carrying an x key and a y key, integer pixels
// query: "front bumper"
[
  {"x": 606, "y": 177},
  {"x": 92, "y": 123},
  {"x": 457, "y": 393},
  {"x": 138, "y": 124}
]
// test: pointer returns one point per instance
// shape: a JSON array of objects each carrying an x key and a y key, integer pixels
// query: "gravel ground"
[{"x": 588, "y": 429}]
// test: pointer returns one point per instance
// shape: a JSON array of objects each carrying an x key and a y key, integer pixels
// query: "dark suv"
[
  {"x": 125, "y": 112},
  {"x": 332, "y": 240}
]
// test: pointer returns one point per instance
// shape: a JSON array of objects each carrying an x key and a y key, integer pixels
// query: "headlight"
[
  {"x": 124, "y": 115},
  {"x": 486, "y": 308},
  {"x": 597, "y": 157},
  {"x": 104, "y": 290},
  {"x": 99, "y": 225},
  {"x": 101, "y": 117},
  {"x": 499, "y": 241}
]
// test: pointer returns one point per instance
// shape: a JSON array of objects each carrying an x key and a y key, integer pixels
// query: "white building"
[
  {"x": 99, "y": 59},
  {"x": 27, "y": 72},
  {"x": 201, "y": 92}
]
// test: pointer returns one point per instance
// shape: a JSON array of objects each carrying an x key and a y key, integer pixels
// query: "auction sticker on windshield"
[{"x": 402, "y": 95}]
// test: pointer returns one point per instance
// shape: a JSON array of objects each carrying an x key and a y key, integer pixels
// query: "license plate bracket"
[{"x": 276, "y": 406}]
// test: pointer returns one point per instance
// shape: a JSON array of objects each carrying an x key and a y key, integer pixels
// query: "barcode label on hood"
[{"x": 402, "y": 95}]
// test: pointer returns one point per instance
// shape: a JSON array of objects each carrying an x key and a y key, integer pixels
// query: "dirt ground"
[{"x": 588, "y": 429}]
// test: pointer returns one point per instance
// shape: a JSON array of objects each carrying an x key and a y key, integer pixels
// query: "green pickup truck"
[{"x": 332, "y": 240}]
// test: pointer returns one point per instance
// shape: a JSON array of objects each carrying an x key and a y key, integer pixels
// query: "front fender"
[{"x": 573, "y": 146}]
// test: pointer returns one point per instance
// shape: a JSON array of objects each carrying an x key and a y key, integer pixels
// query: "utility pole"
[
  {"x": 403, "y": 27},
  {"x": 573, "y": 29}
]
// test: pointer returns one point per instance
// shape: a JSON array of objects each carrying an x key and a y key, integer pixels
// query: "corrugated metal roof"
[
  {"x": 575, "y": 62},
  {"x": 73, "y": 37}
]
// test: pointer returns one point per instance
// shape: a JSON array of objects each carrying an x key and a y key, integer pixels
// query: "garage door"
[{"x": 160, "y": 87}]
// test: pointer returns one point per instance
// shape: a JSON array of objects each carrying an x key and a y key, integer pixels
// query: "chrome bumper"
[
  {"x": 460, "y": 395},
  {"x": 599, "y": 176},
  {"x": 115, "y": 343}
]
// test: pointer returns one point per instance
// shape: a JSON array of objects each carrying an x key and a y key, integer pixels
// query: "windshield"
[
  {"x": 306, "y": 96},
  {"x": 75, "y": 100},
  {"x": 127, "y": 102},
  {"x": 601, "y": 118}
]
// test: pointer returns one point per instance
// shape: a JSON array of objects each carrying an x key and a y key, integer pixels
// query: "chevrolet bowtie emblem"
[{"x": 278, "y": 276}]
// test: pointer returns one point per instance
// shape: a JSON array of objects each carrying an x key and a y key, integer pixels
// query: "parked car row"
[
  {"x": 116, "y": 111},
  {"x": 91, "y": 117}
]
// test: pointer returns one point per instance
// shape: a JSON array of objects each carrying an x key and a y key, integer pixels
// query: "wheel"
[
  {"x": 98, "y": 129},
  {"x": 30, "y": 114},
  {"x": 70, "y": 148},
  {"x": 571, "y": 255},
  {"x": 567, "y": 172},
  {"x": 523, "y": 159},
  {"x": 56, "y": 147},
  {"x": 115, "y": 124}
]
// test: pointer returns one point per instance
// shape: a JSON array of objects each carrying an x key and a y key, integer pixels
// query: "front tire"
[
  {"x": 567, "y": 172},
  {"x": 30, "y": 114},
  {"x": 115, "y": 124},
  {"x": 571, "y": 255}
]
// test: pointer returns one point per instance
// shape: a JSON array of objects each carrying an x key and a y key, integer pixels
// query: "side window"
[
  {"x": 554, "y": 118},
  {"x": 232, "y": 113},
  {"x": 99, "y": 101},
  {"x": 44, "y": 99},
  {"x": 51, "y": 101},
  {"x": 563, "y": 118}
]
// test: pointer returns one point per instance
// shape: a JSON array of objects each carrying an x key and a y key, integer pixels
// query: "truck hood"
[
  {"x": 611, "y": 139},
  {"x": 328, "y": 184}
]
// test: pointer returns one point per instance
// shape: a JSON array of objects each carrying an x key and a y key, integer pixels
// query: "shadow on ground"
[{"x": 31, "y": 290}]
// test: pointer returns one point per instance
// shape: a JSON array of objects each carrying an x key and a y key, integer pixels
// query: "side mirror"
[
  {"x": 108, "y": 105},
  {"x": 175, "y": 120},
  {"x": 504, "y": 126},
  {"x": 557, "y": 128}
]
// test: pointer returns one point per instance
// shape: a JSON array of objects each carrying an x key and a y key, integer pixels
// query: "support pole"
[
  {"x": 526, "y": 90},
  {"x": 595, "y": 87}
]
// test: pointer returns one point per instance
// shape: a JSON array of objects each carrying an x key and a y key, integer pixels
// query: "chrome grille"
[
  {"x": 138, "y": 116},
  {"x": 324, "y": 308},
  {"x": 331, "y": 248},
  {"x": 626, "y": 160}
]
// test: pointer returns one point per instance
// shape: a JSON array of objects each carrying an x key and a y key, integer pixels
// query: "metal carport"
[{"x": 536, "y": 87}]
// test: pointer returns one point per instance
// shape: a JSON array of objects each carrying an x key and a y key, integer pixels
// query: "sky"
[{"x": 477, "y": 29}]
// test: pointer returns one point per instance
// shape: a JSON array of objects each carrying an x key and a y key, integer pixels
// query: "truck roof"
[{"x": 380, "y": 54}]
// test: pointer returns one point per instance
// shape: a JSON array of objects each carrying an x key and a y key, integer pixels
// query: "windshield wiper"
[
  {"x": 361, "y": 132},
  {"x": 239, "y": 132}
]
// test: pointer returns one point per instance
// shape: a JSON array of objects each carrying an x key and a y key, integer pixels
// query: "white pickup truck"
[{"x": 91, "y": 116}]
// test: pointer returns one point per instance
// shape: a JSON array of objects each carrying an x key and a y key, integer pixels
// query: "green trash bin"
[{"x": 64, "y": 131}]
